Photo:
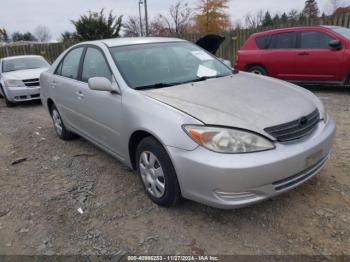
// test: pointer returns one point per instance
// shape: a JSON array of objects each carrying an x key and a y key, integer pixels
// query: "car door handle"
[
  {"x": 53, "y": 84},
  {"x": 80, "y": 95},
  {"x": 303, "y": 54}
]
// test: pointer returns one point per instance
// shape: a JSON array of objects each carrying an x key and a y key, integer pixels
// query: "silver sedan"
[
  {"x": 189, "y": 124},
  {"x": 19, "y": 78}
]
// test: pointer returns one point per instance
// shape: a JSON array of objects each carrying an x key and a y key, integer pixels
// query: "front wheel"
[
  {"x": 258, "y": 70},
  {"x": 157, "y": 173},
  {"x": 7, "y": 102}
]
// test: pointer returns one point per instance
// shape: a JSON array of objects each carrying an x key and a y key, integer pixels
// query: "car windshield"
[
  {"x": 23, "y": 63},
  {"x": 165, "y": 64},
  {"x": 345, "y": 32}
]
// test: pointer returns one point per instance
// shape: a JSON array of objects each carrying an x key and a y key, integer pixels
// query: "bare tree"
[
  {"x": 293, "y": 15},
  {"x": 254, "y": 20},
  {"x": 179, "y": 18},
  {"x": 333, "y": 5},
  {"x": 42, "y": 33},
  {"x": 132, "y": 27},
  {"x": 158, "y": 27}
]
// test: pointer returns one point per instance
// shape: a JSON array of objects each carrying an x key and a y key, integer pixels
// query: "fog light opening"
[{"x": 236, "y": 196}]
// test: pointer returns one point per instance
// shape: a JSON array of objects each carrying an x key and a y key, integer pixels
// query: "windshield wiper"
[
  {"x": 203, "y": 78},
  {"x": 154, "y": 86},
  {"x": 161, "y": 85}
]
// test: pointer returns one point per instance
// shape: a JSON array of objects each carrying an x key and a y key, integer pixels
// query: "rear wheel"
[
  {"x": 157, "y": 173},
  {"x": 59, "y": 126},
  {"x": 258, "y": 70}
]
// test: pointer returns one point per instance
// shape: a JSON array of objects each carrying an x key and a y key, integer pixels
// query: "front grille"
[
  {"x": 31, "y": 82},
  {"x": 300, "y": 177},
  {"x": 296, "y": 129}
]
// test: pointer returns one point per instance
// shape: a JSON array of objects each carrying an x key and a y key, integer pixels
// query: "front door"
[
  {"x": 100, "y": 110},
  {"x": 315, "y": 60}
]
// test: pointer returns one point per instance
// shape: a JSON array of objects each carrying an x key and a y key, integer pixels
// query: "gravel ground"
[{"x": 44, "y": 181}]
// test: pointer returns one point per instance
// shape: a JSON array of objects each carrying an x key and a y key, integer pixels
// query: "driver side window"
[
  {"x": 95, "y": 65},
  {"x": 314, "y": 40}
]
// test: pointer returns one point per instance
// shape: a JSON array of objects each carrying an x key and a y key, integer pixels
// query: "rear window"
[
  {"x": 283, "y": 41},
  {"x": 262, "y": 42}
]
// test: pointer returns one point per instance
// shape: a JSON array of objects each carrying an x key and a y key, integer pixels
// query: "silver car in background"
[
  {"x": 190, "y": 125},
  {"x": 19, "y": 78}
]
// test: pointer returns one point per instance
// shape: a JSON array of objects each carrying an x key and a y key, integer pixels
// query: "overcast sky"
[{"x": 25, "y": 15}]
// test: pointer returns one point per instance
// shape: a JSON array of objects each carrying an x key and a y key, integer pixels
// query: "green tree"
[
  {"x": 284, "y": 18},
  {"x": 276, "y": 19},
  {"x": 95, "y": 25},
  {"x": 267, "y": 21},
  {"x": 28, "y": 36},
  {"x": 311, "y": 9},
  {"x": 302, "y": 18},
  {"x": 4, "y": 36},
  {"x": 69, "y": 37}
]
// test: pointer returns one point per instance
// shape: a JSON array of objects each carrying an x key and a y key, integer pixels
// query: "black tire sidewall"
[
  {"x": 172, "y": 193},
  {"x": 8, "y": 103},
  {"x": 66, "y": 135},
  {"x": 258, "y": 68}
]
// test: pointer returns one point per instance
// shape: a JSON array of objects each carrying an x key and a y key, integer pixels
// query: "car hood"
[
  {"x": 24, "y": 74},
  {"x": 243, "y": 101}
]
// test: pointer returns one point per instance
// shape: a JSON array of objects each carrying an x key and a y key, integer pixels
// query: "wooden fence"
[{"x": 233, "y": 39}]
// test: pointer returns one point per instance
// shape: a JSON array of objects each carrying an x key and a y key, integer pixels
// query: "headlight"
[
  {"x": 14, "y": 83},
  {"x": 231, "y": 141}
]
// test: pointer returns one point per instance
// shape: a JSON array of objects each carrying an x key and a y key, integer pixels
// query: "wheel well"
[
  {"x": 134, "y": 141},
  {"x": 247, "y": 67},
  {"x": 347, "y": 80},
  {"x": 50, "y": 103}
]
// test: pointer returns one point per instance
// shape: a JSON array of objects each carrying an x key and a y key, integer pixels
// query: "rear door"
[
  {"x": 279, "y": 57},
  {"x": 315, "y": 60},
  {"x": 65, "y": 86}
]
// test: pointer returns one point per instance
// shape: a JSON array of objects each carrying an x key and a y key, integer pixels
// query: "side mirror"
[
  {"x": 101, "y": 84},
  {"x": 335, "y": 44}
]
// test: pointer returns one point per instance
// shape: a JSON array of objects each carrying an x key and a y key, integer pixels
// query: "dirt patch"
[{"x": 71, "y": 198}]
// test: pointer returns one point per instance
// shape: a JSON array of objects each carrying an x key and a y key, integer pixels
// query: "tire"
[
  {"x": 155, "y": 169},
  {"x": 59, "y": 126},
  {"x": 258, "y": 70},
  {"x": 7, "y": 102}
]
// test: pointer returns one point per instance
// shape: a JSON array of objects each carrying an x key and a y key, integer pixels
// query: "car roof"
[
  {"x": 123, "y": 41},
  {"x": 297, "y": 28},
  {"x": 19, "y": 56}
]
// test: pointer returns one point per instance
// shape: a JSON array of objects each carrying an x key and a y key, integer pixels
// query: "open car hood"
[{"x": 211, "y": 43}]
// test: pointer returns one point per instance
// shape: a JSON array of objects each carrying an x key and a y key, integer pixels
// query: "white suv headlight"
[
  {"x": 14, "y": 83},
  {"x": 230, "y": 141}
]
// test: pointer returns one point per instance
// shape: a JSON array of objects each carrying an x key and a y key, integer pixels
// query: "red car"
[{"x": 305, "y": 55}]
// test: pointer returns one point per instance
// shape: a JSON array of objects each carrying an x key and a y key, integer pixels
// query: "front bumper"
[
  {"x": 236, "y": 180},
  {"x": 20, "y": 94}
]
